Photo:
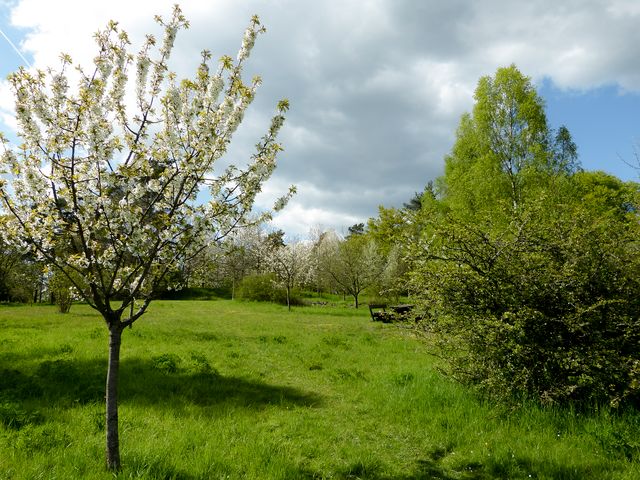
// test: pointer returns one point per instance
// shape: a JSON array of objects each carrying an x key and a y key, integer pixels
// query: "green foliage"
[
  {"x": 264, "y": 288},
  {"x": 20, "y": 276},
  {"x": 387, "y": 230},
  {"x": 259, "y": 288},
  {"x": 543, "y": 307},
  {"x": 503, "y": 147},
  {"x": 532, "y": 287},
  {"x": 166, "y": 362},
  {"x": 60, "y": 288}
]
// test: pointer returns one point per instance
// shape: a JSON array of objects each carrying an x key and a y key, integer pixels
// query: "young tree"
[
  {"x": 393, "y": 281},
  {"x": 289, "y": 263},
  {"x": 117, "y": 192},
  {"x": 390, "y": 231},
  {"x": 242, "y": 255},
  {"x": 354, "y": 264},
  {"x": 323, "y": 245}
]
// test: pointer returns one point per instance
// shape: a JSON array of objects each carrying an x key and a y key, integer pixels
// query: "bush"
[
  {"x": 167, "y": 362},
  {"x": 546, "y": 307},
  {"x": 64, "y": 300},
  {"x": 259, "y": 288},
  {"x": 61, "y": 292},
  {"x": 263, "y": 288}
]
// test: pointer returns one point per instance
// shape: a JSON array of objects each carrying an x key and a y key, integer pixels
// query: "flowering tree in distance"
[
  {"x": 109, "y": 197},
  {"x": 291, "y": 264}
]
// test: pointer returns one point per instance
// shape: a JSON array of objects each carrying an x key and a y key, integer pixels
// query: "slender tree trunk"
[
  {"x": 288, "y": 297},
  {"x": 113, "y": 443}
]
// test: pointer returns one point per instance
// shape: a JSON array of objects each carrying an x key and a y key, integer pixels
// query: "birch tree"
[
  {"x": 505, "y": 141},
  {"x": 113, "y": 183}
]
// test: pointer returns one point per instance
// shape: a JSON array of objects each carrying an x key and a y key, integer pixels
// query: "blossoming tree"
[
  {"x": 292, "y": 264},
  {"x": 104, "y": 186}
]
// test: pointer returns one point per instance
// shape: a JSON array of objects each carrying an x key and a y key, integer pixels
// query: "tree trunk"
[
  {"x": 288, "y": 297},
  {"x": 113, "y": 443}
]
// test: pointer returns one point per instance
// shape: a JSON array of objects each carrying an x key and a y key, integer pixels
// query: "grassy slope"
[{"x": 234, "y": 390}]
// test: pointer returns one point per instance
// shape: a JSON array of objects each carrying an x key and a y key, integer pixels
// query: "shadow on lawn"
[
  {"x": 431, "y": 468},
  {"x": 67, "y": 382}
]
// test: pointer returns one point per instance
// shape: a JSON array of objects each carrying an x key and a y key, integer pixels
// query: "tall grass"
[{"x": 224, "y": 389}]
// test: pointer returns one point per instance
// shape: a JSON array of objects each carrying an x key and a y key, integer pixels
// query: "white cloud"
[
  {"x": 298, "y": 220},
  {"x": 624, "y": 8},
  {"x": 376, "y": 86},
  {"x": 68, "y": 26}
]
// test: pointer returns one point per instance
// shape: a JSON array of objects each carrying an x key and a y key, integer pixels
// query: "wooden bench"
[{"x": 379, "y": 312}]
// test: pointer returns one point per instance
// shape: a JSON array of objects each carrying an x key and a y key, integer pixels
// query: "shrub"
[
  {"x": 61, "y": 292},
  {"x": 167, "y": 362},
  {"x": 263, "y": 288},
  {"x": 259, "y": 288},
  {"x": 545, "y": 307},
  {"x": 63, "y": 300}
]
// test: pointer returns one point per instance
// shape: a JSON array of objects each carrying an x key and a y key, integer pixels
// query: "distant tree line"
[
  {"x": 251, "y": 263},
  {"x": 257, "y": 264}
]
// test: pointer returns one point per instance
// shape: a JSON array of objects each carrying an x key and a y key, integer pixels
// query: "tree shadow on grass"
[
  {"x": 160, "y": 469},
  {"x": 517, "y": 467},
  {"x": 432, "y": 467},
  {"x": 66, "y": 383},
  {"x": 143, "y": 382}
]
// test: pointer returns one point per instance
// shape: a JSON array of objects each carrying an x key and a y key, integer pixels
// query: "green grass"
[{"x": 226, "y": 389}]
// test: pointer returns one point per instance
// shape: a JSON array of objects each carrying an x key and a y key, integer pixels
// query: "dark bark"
[
  {"x": 288, "y": 297},
  {"x": 113, "y": 443}
]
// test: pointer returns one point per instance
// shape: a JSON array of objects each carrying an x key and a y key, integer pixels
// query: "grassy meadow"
[{"x": 230, "y": 390}]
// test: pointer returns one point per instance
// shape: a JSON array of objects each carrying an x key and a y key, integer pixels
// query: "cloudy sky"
[{"x": 376, "y": 87}]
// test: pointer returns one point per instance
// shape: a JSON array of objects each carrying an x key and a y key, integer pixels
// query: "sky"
[{"x": 376, "y": 87}]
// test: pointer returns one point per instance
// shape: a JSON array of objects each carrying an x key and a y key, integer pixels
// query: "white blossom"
[{"x": 109, "y": 194}]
